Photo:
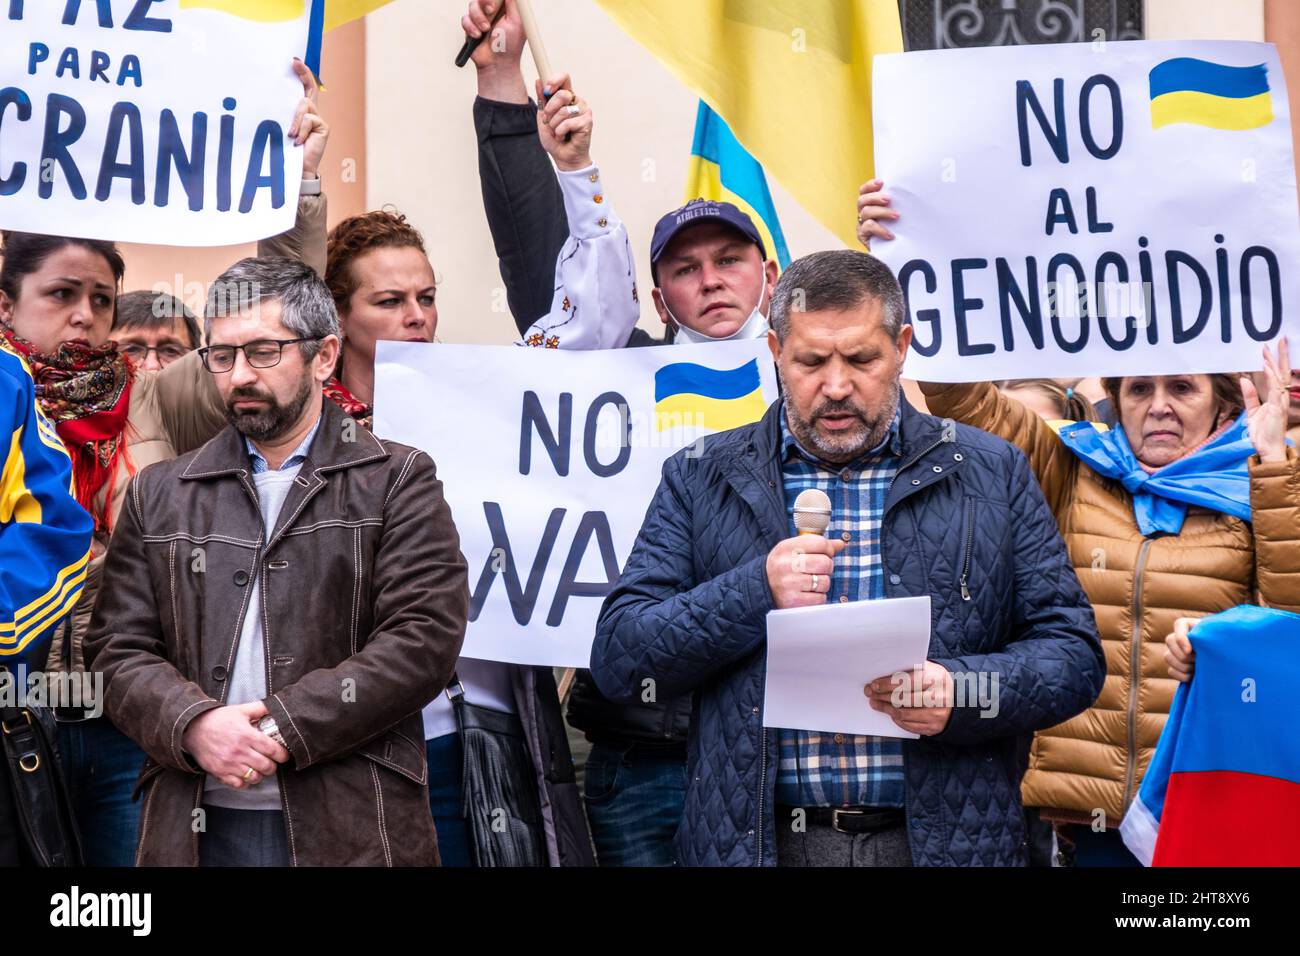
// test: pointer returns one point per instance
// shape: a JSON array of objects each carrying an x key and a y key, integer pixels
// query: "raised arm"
[
  {"x": 595, "y": 304},
  {"x": 1274, "y": 483},
  {"x": 306, "y": 241},
  {"x": 521, "y": 198}
]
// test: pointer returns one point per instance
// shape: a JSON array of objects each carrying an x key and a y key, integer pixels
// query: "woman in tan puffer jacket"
[
  {"x": 1088, "y": 769},
  {"x": 1138, "y": 586}
]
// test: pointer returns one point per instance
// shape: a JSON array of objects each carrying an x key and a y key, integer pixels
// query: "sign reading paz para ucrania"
[
  {"x": 549, "y": 460},
  {"x": 157, "y": 121},
  {"x": 1117, "y": 208}
]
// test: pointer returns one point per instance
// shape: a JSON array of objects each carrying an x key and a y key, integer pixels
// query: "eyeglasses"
[
  {"x": 166, "y": 353},
  {"x": 263, "y": 353}
]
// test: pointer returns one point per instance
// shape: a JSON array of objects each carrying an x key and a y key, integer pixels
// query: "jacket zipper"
[
  {"x": 762, "y": 792},
  {"x": 970, "y": 541},
  {"x": 1135, "y": 652}
]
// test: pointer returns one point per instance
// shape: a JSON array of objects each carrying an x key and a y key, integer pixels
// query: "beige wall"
[
  {"x": 1205, "y": 19},
  {"x": 1282, "y": 26},
  {"x": 186, "y": 271}
]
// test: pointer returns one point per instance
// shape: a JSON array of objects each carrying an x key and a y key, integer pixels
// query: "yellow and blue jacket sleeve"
[{"x": 44, "y": 534}]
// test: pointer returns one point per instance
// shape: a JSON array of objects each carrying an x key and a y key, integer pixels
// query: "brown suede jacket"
[{"x": 364, "y": 599}]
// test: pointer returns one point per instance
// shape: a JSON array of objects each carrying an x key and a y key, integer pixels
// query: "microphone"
[{"x": 812, "y": 512}]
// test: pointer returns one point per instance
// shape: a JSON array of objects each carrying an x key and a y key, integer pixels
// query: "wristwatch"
[{"x": 268, "y": 726}]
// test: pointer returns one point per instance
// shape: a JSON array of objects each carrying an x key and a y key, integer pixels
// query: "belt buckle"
[{"x": 836, "y": 813}]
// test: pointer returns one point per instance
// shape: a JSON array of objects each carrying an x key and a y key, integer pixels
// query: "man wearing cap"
[{"x": 712, "y": 282}]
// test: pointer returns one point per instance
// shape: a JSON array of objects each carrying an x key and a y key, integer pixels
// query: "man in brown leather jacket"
[{"x": 277, "y": 607}]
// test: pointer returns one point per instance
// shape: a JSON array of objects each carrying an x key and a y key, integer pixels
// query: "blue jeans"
[
  {"x": 446, "y": 799},
  {"x": 634, "y": 803},
  {"x": 101, "y": 765},
  {"x": 243, "y": 838},
  {"x": 1100, "y": 849}
]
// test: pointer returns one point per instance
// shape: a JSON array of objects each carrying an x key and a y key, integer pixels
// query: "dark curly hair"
[{"x": 354, "y": 237}]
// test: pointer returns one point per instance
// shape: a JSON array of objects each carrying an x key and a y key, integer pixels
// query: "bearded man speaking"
[
  {"x": 919, "y": 507},
  {"x": 278, "y": 606}
]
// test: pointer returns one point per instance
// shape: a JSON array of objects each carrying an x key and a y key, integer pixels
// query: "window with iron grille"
[{"x": 942, "y": 24}]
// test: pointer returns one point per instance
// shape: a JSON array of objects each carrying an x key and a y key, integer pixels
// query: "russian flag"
[{"x": 1223, "y": 788}]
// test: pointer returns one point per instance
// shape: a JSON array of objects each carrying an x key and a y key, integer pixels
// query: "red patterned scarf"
[
  {"x": 86, "y": 392},
  {"x": 336, "y": 392}
]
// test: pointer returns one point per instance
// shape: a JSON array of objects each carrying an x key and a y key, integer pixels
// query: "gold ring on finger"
[
  {"x": 814, "y": 587},
  {"x": 248, "y": 775}
]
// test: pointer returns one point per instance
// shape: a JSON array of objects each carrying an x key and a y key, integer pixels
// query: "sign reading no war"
[
  {"x": 1116, "y": 208},
  {"x": 549, "y": 460},
  {"x": 157, "y": 121}
]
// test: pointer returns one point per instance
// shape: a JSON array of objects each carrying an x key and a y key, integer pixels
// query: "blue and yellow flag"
[
  {"x": 792, "y": 78},
  {"x": 697, "y": 396},
  {"x": 723, "y": 170},
  {"x": 1188, "y": 90}
]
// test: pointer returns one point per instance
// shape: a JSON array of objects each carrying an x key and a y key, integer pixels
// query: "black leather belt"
[{"x": 851, "y": 819}]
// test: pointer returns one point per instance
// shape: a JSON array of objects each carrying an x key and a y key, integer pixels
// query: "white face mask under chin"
[{"x": 755, "y": 326}]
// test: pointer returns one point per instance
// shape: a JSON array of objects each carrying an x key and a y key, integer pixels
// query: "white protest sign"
[
  {"x": 549, "y": 460},
  {"x": 1120, "y": 208},
  {"x": 155, "y": 121}
]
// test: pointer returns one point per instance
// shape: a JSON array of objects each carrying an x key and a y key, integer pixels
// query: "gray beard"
[
  {"x": 276, "y": 420},
  {"x": 853, "y": 445}
]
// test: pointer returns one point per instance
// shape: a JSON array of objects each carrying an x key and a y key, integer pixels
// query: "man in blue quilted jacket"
[{"x": 920, "y": 507}]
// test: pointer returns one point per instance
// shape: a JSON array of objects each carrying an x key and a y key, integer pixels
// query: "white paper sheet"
[{"x": 820, "y": 658}]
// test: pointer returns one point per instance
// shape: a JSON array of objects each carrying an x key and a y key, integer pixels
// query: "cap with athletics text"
[{"x": 692, "y": 214}]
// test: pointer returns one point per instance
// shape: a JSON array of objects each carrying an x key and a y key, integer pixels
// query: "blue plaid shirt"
[
  {"x": 822, "y": 769},
  {"x": 293, "y": 461}
]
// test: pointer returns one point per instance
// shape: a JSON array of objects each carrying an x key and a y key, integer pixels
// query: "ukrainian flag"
[
  {"x": 723, "y": 170},
  {"x": 1187, "y": 90},
  {"x": 702, "y": 397},
  {"x": 792, "y": 78}
]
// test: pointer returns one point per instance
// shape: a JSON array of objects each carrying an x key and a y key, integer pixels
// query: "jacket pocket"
[
  {"x": 399, "y": 753},
  {"x": 150, "y": 770}
]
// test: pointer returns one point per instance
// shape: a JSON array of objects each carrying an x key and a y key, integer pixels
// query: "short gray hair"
[
  {"x": 307, "y": 308},
  {"x": 837, "y": 279}
]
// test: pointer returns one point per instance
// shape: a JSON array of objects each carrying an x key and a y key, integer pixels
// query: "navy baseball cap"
[{"x": 692, "y": 214}]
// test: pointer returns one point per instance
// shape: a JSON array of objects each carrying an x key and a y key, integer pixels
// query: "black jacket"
[{"x": 525, "y": 212}]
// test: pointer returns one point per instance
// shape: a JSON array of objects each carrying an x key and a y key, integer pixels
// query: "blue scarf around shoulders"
[{"x": 1214, "y": 476}]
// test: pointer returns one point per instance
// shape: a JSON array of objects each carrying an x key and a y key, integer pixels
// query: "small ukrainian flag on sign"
[
  {"x": 696, "y": 396},
  {"x": 1187, "y": 90}
]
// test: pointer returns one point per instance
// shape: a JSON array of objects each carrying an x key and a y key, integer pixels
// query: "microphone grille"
[{"x": 812, "y": 511}]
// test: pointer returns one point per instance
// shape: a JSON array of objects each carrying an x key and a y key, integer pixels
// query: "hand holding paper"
[{"x": 919, "y": 701}]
